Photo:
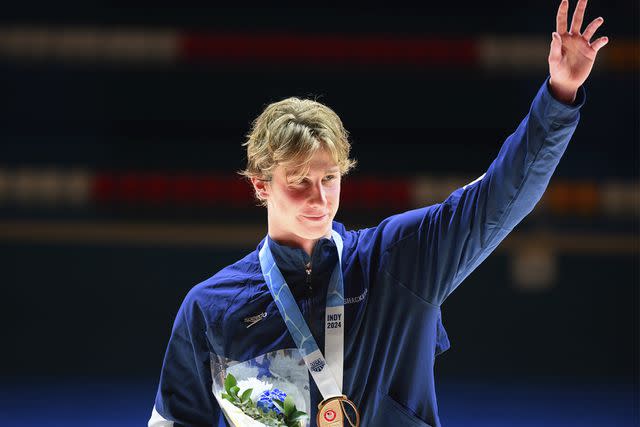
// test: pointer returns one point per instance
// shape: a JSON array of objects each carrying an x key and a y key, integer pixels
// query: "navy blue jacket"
[{"x": 396, "y": 277}]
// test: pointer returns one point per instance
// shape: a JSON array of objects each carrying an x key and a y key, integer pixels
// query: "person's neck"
[
  {"x": 306, "y": 245},
  {"x": 284, "y": 237}
]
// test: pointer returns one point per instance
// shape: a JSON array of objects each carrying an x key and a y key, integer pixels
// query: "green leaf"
[
  {"x": 289, "y": 406},
  {"x": 229, "y": 382},
  {"x": 234, "y": 391},
  {"x": 229, "y": 398},
  {"x": 246, "y": 395},
  {"x": 292, "y": 423}
]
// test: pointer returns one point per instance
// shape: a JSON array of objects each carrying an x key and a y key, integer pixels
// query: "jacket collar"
[{"x": 292, "y": 261}]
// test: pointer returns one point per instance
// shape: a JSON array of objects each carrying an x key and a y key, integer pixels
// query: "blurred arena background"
[{"x": 120, "y": 140}]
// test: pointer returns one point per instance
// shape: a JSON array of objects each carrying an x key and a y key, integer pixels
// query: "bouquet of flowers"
[
  {"x": 252, "y": 402},
  {"x": 269, "y": 390}
]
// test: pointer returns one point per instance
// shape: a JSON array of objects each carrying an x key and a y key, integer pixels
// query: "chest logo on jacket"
[{"x": 252, "y": 320}]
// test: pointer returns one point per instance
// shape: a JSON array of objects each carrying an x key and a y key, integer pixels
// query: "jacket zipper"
[{"x": 307, "y": 269}]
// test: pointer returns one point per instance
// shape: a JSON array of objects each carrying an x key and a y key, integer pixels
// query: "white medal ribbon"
[{"x": 326, "y": 373}]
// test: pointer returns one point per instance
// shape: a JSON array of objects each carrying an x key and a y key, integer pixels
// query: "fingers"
[
  {"x": 555, "y": 54},
  {"x": 561, "y": 18},
  {"x": 578, "y": 16},
  {"x": 591, "y": 28},
  {"x": 599, "y": 43}
]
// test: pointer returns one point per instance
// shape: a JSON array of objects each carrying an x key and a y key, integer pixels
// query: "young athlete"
[{"x": 347, "y": 323}]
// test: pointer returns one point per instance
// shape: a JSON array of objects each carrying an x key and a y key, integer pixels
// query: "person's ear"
[{"x": 261, "y": 187}]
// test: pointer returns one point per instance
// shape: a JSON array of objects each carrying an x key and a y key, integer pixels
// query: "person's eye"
[
  {"x": 330, "y": 177},
  {"x": 300, "y": 183}
]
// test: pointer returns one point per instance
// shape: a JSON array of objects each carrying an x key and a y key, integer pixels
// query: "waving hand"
[{"x": 572, "y": 54}]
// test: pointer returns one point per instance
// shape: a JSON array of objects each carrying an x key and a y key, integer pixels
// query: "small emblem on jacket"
[
  {"x": 250, "y": 321},
  {"x": 317, "y": 365}
]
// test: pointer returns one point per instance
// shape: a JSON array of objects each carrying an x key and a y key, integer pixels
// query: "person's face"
[{"x": 302, "y": 211}]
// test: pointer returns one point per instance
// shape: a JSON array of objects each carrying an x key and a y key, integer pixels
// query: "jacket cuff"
[{"x": 559, "y": 111}]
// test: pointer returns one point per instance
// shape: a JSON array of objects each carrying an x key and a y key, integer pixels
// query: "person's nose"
[{"x": 318, "y": 196}]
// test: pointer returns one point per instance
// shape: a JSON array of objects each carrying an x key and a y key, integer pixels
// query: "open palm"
[{"x": 572, "y": 54}]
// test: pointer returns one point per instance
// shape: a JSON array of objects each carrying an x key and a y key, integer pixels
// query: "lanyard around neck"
[{"x": 327, "y": 373}]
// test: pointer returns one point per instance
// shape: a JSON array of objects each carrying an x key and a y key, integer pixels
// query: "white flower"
[
  {"x": 288, "y": 367},
  {"x": 243, "y": 370},
  {"x": 257, "y": 386}
]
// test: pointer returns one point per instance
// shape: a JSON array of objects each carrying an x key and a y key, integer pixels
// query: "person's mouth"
[{"x": 315, "y": 217}]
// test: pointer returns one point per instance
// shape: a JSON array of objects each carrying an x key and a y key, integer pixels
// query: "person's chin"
[{"x": 317, "y": 226}]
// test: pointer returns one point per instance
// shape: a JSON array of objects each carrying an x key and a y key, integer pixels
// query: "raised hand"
[{"x": 572, "y": 54}]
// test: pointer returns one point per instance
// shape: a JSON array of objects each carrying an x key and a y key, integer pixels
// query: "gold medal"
[{"x": 332, "y": 412}]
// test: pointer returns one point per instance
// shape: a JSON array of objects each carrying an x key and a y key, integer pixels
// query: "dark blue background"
[{"x": 85, "y": 325}]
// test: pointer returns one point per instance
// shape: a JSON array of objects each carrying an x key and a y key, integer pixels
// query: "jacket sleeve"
[
  {"x": 185, "y": 396},
  {"x": 433, "y": 249}
]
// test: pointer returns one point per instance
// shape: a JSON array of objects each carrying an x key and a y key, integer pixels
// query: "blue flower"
[{"x": 265, "y": 400}]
